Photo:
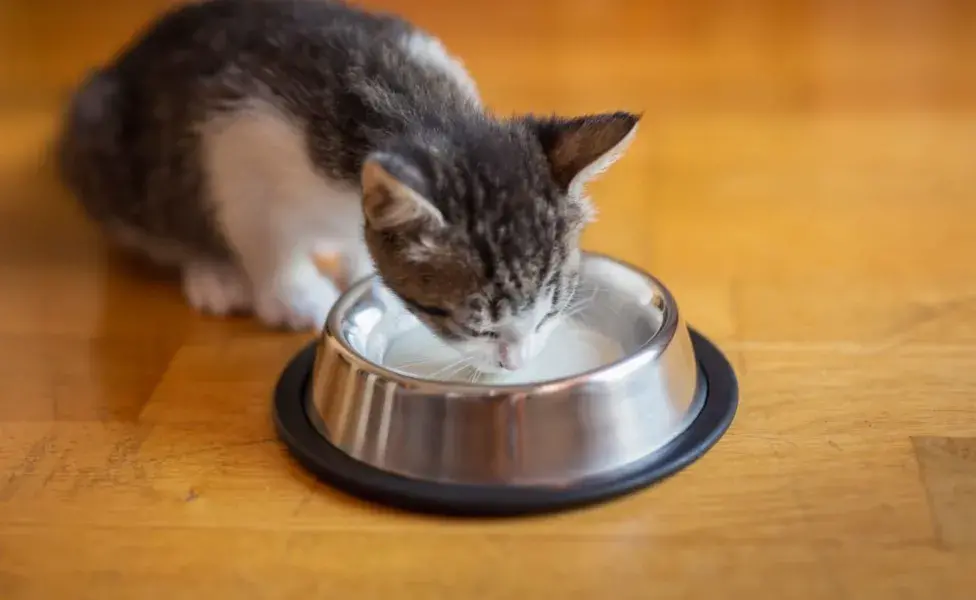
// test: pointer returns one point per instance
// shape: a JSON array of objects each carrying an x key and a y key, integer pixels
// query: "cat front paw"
[
  {"x": 215, "y": 288},
  {"x": 299, "y": 302}
]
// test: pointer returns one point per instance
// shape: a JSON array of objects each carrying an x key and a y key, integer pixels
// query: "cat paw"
[
  {"x": 216, "y": 289},
  {"x": 300, "y": 302}
]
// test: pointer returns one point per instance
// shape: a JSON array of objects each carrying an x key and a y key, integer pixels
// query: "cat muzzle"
[{"x": 512, "y": 356}]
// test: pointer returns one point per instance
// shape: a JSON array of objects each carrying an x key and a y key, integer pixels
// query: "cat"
[{"x": 234, "y": 139}]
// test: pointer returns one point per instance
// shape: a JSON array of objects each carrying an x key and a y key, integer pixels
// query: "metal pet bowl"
[{"x": 500, "y": 449}]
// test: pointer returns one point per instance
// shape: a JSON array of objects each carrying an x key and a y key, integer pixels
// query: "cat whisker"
[
  {"x": 415, "y": 363},
  {"x": 457, "y": 371},
  {"x": 474, "y": 376},
  {"x": 443, "y": 370},
  {"x": 577, "y": 307},
  {"x": 616, "y": 306},
  {"x": 451, "y": 368},
  {"x": 576, "y": 301}
]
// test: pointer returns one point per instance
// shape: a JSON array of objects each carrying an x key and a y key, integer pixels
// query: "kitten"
[{"x": 234, "y": 138}]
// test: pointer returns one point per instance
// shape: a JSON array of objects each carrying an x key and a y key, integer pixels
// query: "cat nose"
[{"x": 511, "y": 356}]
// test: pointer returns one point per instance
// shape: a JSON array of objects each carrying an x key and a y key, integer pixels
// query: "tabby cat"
[{"x": 234, "y": 139}]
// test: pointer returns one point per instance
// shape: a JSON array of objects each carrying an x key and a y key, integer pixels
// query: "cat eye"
[
  {"x": 432, "y": 311},
  {"x": 478, "y": 333}
]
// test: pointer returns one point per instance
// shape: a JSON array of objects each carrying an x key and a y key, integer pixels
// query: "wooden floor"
[{"x": 804, "y": 181}]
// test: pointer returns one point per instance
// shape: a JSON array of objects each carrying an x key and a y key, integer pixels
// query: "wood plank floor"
[{"x": 804, "y": 181}]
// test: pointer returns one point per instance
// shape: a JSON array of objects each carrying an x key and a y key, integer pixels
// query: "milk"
[{"x": 571, "y": 349}]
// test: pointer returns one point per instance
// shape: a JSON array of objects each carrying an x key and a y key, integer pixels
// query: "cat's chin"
[
  {"x": 487, "y": 357},
  {"x": 478, "y": 355},
  {"x": 480, "y": 360}
]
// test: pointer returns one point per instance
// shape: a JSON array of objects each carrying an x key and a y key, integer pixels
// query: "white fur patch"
[
  {"x": 430, "y": 52},
  {"x": 301, "y": 299},
  {"x": 275, "y": 210},
  {"x": 216, "y": 289},
  {"x": 520, "y": 339}
]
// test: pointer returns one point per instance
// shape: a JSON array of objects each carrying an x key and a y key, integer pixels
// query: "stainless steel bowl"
[{"x": 600, "y": 424}]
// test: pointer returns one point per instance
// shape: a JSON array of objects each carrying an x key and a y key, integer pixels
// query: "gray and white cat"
[{"x": 234, "y": 138}]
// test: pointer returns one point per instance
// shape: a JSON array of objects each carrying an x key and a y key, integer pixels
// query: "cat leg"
[
  {"x": 274, "y": 208},
  {"x": 216, "y": 288},
  {"x": 211, "y": 286},
  {"x": 295, "y": 295},
  {"x": 274, "y": 242}
]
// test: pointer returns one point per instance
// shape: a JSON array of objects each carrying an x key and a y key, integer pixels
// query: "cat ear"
[
  {"x": 391, "y": 199},
  {"x": 581, "y": 148}
]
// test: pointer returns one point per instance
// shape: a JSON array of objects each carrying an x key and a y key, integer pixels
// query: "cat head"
[{"x": 477, "y": 230}]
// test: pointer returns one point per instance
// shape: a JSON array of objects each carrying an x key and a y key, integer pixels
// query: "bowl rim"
[{"x": 648, "y": 351}]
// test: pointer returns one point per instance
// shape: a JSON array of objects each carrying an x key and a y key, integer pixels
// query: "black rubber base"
[{"x": 338, "y": 469}]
